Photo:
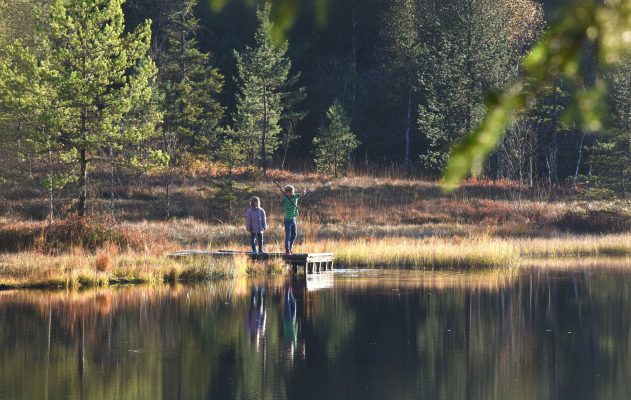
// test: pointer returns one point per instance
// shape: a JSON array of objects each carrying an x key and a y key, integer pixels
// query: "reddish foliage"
[
  {"x": 87, "y": 233},
  {"x": 595, "y": 221}
]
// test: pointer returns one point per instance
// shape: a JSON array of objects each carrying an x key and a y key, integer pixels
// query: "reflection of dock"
[
  {"x": 319, "y": 282},
  {"x": 313, "y": 263}
]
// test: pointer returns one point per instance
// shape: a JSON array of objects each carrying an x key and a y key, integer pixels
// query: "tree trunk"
[
  {"x": 408, "y": 123},
  {"x": 264, "y": 133},
  {"x": 112, "y": 172},
  {"x": 335, "y": 162},
  {"x": 83, "y": 182},
  {"x": 532, "y": 159},
  {"x": 167, "y": 188},
  {"x": 578, "y": 161},
  {"x": 51, "y": 204},
  {"x": 554, "y": 175}
]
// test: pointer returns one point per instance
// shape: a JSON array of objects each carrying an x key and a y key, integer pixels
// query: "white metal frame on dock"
[{"x": 313, "y": 263}]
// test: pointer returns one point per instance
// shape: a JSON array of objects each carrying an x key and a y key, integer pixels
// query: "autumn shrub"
[
  {"x": 595, "y": 221},
  {"x": 62, "y": 235},
  {"x": 103, "y": 262},
  {"x": 17, "y": 236},
  {"x": 88, "y": 233}
]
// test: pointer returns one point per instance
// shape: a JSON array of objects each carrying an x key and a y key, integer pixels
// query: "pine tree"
[
  {"x": 29, "y": 133},
  {"x": 469, "y": 47},
  {"x": 86, "y": 85},
  {"x": 612, "y": 152},
  {"x": 400, "y": 37},
  {"x": 336, "y": 141},
  {"x": 191, "y": 86},
  {"x": 265, "y": 92},
  {"x": 190, "y": 90},
  {"x": 230, "y": 153}
]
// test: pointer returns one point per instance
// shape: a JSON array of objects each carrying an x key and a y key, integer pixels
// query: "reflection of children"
[
  {"x": 290, "y": 323},
  {"x": 255, "y": 322},
  {"x": 290, "y": 204},
  {"x": 255, "y": 223}
]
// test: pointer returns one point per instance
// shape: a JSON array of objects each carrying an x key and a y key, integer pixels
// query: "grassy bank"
[
  {"x": 501, "y": 207},
  {"x": 103, "y": 269},
  {"x": 366, "y": 221},
  {"x": 108, "y": 266},
  {"x": 426, "y": 254}
]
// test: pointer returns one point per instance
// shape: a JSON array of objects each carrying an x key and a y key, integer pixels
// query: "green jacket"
[{"x": 291, "y": 206}]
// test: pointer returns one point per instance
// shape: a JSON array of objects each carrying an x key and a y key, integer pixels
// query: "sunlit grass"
[
  {"x": 427, "y": 254},
  {"x": 80, "y": 270},
  {"x": 575, "y": 246},
  {"x": 429, "y": 247}
]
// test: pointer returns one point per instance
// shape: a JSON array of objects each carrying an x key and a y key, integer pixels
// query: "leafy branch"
[{"x": 583, "y": 26}]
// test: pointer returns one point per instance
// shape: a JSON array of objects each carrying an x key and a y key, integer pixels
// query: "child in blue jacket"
[{"x": 255, "y": 223}]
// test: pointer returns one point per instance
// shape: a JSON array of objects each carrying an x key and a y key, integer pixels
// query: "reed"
[
  {"x": 366, "y": 221},
  {"x": 426, "y": 254},
  {"x": 575, "y": 246},
  {"x": 109, "y": 265},
  {"x": 84, "y": 270}
]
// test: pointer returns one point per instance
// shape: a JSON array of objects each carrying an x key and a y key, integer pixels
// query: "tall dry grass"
[
  {"x": 426, "y": 254},
  {"x": 85, "y": 270},
  {"x": 374, "y": 221},
  {"x": 388, "y": 197},
  {"x": 575, "y": 246}
]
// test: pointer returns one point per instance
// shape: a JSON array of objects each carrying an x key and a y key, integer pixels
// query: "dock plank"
[{"x": 312, "y": 262}]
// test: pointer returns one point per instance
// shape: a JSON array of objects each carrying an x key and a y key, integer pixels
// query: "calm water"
[{"x": 353, "y": 335}]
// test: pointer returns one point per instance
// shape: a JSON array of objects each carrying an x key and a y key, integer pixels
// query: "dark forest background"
[{"x": 363, "y": 85}]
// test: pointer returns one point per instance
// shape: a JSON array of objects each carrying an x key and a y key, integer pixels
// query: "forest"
[
  {"x": 463, "y": 169},
  {"x": 97, "y": 94}
]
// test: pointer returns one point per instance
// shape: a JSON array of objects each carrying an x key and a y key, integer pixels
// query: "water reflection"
[
  {"x": 256, "y": 315},
  {"x": 354, "y": 334}
]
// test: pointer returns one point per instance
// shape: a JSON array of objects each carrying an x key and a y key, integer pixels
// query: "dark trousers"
[
  {"x": 254, "y": 238},
  {"x": 290, "y": 233}
]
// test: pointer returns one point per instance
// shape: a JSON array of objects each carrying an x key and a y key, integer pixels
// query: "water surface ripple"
[{"x": 366, "y": 334}]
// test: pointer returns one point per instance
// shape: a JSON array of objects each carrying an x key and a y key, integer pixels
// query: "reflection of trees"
[
  {"x": 534, "y": 336},
  {"x": 539, "y": 339}
]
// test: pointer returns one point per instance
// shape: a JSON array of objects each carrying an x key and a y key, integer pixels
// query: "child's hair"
[
  {"x": 289, "y": 188},
  {"x": 254, "y": 199}
]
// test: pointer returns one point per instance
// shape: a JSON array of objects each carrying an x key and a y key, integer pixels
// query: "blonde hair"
[
  {"x": 289, "y": 188},
  {"x": 254, "y": 199}
]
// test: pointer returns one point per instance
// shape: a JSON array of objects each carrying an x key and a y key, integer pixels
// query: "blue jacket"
[{"x": 255, "y": 220}]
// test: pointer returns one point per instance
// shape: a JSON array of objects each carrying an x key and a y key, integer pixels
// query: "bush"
[
  {"x": 595, "y": 221},
  {"x": 103, "y": 262},
  {"x": 87, "y": 233}
]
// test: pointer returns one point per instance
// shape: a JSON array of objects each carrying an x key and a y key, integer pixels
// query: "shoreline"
[{"x": 109, "y": 266}]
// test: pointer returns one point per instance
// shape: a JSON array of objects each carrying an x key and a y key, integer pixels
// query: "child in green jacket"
[{"x": 290, "y": 203}]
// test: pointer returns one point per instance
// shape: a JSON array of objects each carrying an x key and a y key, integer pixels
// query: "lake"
[{"x": 369, "y": 334}]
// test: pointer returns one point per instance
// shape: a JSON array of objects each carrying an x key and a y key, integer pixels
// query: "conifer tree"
[
  {"x": 265, "y": 92},
  {"x": 400, "y": 37},
  {"x": 612, "y": 152},
  {"x": 231, "y": 155},
  {"x": 83, "y": 89},
  {"x": 190, "y": 90},
  {"x": 191, "y": 86},
  {"x": 468, "y": 47},
  {"x": 336, "y": 141}
]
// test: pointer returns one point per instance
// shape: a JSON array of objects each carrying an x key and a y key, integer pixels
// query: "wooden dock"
[{"x": 313, "y": 263}]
